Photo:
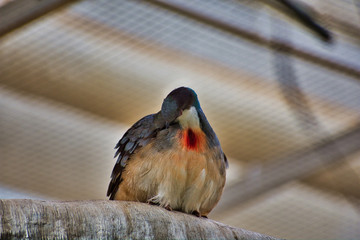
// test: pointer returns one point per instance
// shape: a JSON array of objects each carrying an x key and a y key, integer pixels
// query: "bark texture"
[{"x": 37, "y": 219}]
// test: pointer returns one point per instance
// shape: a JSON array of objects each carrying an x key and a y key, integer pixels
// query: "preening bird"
[{"x": 172, "y": 158}]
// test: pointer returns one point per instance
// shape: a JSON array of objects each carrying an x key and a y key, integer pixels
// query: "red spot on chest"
[{"x": 193, "y": 139}]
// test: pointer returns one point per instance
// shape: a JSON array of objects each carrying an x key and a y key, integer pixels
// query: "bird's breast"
[
  {"x": 184, "y": 175},
  {"x": 193, "y": 139}
]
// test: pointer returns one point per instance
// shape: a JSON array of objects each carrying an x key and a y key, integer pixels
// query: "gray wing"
[{"x": 137, "y": 136}]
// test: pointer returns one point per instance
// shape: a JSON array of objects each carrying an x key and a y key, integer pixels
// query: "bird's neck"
[
  {"x": 192, "y": 137},
  {"x": 189, "y": 118}
]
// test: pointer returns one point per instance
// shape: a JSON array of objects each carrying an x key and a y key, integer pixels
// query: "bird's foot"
[
  {"x": 153, "y": 203},
  {"x": 156, "y": 203},
  {"x": 167, "y": 207},
  {"x": 196, "y": 213}
]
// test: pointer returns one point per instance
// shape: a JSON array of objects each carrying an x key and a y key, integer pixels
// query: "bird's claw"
[
  {"x": 196, "y": 213},
  {"x": 167, "y": 207},
  {"x": 153, "y": 203}
]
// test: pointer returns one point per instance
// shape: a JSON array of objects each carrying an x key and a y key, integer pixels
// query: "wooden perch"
[{"x": 36, "y": 219}]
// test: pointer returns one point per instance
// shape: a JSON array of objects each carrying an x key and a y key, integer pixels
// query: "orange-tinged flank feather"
[{"x": 193, "y": 139}]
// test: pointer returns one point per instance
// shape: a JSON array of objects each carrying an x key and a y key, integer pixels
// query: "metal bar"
[
  {"x": 258, "y": 39},
  {"x": 307, "y": 20},
  {"x": 19, "y": 12}
]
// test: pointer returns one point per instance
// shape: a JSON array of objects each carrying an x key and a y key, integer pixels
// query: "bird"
[{"x": 172, "y": 159}]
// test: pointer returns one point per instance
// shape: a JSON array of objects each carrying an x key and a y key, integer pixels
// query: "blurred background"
[{"x": 279, "y": 82}]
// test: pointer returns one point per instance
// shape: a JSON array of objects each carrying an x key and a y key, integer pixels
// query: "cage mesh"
[{"x": 74, "y": 80}]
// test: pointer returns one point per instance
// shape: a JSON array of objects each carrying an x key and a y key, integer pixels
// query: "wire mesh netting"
[{"x": 284, "y": 104}]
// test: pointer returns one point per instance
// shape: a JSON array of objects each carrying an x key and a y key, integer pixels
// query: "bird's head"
[{"x": 181, "y": 105}]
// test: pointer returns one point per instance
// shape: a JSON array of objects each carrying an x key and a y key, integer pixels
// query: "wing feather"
[{"x": 139, "y": 135}]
